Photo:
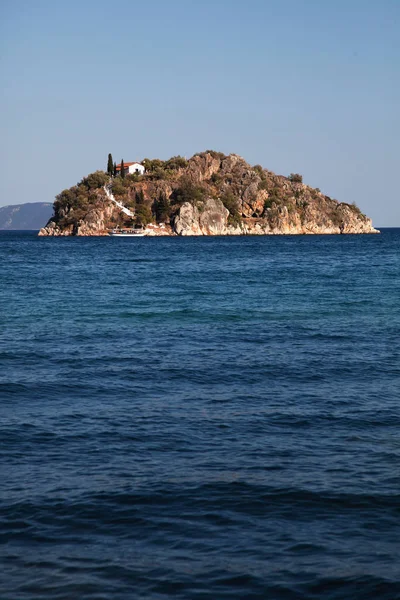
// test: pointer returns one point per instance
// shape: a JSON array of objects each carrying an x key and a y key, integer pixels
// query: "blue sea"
[{"x": 200, "y": 418}]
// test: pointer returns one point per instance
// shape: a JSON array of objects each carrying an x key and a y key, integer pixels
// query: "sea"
[{"x": 200, "y": 418}]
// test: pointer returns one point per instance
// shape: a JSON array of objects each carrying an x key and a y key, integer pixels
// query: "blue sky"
[{"x": 296, "y": 85}]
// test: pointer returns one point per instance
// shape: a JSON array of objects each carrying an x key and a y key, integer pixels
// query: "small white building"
[{"x": 130, "y": 168}]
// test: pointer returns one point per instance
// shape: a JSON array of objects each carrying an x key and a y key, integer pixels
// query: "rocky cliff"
[{"x": 210, "y": 194}]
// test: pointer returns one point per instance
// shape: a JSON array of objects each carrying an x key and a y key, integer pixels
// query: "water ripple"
[{"x": 214, "y": 418}]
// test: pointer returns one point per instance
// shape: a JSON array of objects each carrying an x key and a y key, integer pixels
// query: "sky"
[{"x": 305, "y": 86}]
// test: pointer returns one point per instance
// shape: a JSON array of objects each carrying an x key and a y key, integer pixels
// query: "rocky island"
[{"x": 209, "y": 194}]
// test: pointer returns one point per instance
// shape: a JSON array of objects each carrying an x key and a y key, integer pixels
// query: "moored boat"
[{"x": 127, "y": 232}]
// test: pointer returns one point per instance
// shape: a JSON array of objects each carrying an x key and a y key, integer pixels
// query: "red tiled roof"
[{"x": 128, "y": 164}]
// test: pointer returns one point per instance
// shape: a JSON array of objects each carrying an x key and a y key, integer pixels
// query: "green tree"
[
  {"x": 122, "y": 169},
  {"x": 162, "y": 209},
  {"x": 110, "y": 165},
  {"x": 94, "y": 180},
  {"x": 115, "y": 169},
  {"x": 143, "y": 215},
  {"x": 214, "y": 154},
  {"x": 140, "y": 198},
  {"x": 188, "y": 192},
  {"x": 118, "y": 188},
  {"x": 152, "y": 165},
  {"x": 296, "y": 178},
  {"x": 232, "y": 204},
  {"x": 176, "y": 162}
]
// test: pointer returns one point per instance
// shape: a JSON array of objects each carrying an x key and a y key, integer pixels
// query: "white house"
[{"x": 130, "y": 168}]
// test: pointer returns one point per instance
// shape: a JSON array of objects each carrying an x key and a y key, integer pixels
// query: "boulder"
[{"x": 206, "y": 218}]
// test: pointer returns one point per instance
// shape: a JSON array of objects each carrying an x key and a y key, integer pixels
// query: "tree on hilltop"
[
  {"x": 115, "y": 169},
  {"x": 122, "y": 169},
  {"x": 110, "y": 165},
  {"x": 295, "y": 178}
]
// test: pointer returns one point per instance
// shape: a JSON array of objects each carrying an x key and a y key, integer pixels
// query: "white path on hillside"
[{"x": 110, "y": 196}]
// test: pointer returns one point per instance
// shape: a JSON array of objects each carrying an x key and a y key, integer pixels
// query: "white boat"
[{"x": 127, "y": 232}]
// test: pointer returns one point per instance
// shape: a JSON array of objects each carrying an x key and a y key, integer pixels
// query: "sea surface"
[{"x": 200, "y": 418}]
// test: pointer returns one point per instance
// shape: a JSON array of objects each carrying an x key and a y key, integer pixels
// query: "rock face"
[
  {"x": 208, "y": 218},
  {"x": 94, "y": 223},
  {"x": 210, "y": 194}
]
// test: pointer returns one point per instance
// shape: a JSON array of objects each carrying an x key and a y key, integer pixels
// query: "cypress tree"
[
  {"x": 162, "y": 209},
  {"x": 110, "y": 165},
  {"x": 122, "y": 169},
  {"x": 115, "y": 169},
  {"x": 140, "y": 197}
]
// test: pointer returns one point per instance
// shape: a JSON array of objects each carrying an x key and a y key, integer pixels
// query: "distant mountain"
[{"x": 32, "y": 215}]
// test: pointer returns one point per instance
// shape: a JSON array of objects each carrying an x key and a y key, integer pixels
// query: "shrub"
[
  {"x": 130, "y": 203},
  {"x": 263, "y": 185},
  {"x": 158, "y": 173},
  {"x": 79, "y": 214},
  {"x": 234, "y": 220},
  {"x": 260, "y": 172},
  {"x": 176, "y": 162},
  {"x": 73, "y": 217},
  {"x": 65, "y": 198},
  {"x": 76, "y": 197},
  {"x": 162, "y": 209},
  {"x": 143, "y": 215},
  {"x": 336, "y": 218},
  {"x": 295, "y": 178},
  {"x": 276, "y": 195},
  {"x": 232, "y": 204},
  {"x": 77, "y": 200},
  {"x": 94, "y": 180},
  {"x": 152, "y": 165},
  {"x": 215, "y": 178},
  {"x": 356, "y": 208},
  {"x": 133, "y": 177},
  {"x": 274, "y": 199},
  {"x": 83, "y": 200},
  {"x": 216, "y": 154},
  {"x": 268, "y": 203},
  {"x": 188, "y": 192},
  {"x": 140, "y": 198},
  {"x": 118, "y": 186}
]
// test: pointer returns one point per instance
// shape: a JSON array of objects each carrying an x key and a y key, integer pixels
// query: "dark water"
[{"x": 200, "y": 418}]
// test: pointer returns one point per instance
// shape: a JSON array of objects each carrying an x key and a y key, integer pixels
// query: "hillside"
[
  {"x": 32, "y": 215},
  {"x": 209, "y": 194}
]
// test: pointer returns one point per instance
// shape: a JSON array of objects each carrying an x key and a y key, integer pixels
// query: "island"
[{"x": 208, "y": 194}]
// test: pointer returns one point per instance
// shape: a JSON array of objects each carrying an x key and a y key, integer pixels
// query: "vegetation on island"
[
  {"x": 110, "y": 166},
  {"x": 247, "y": 192},
  {"x": 74, "y": 203}
]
